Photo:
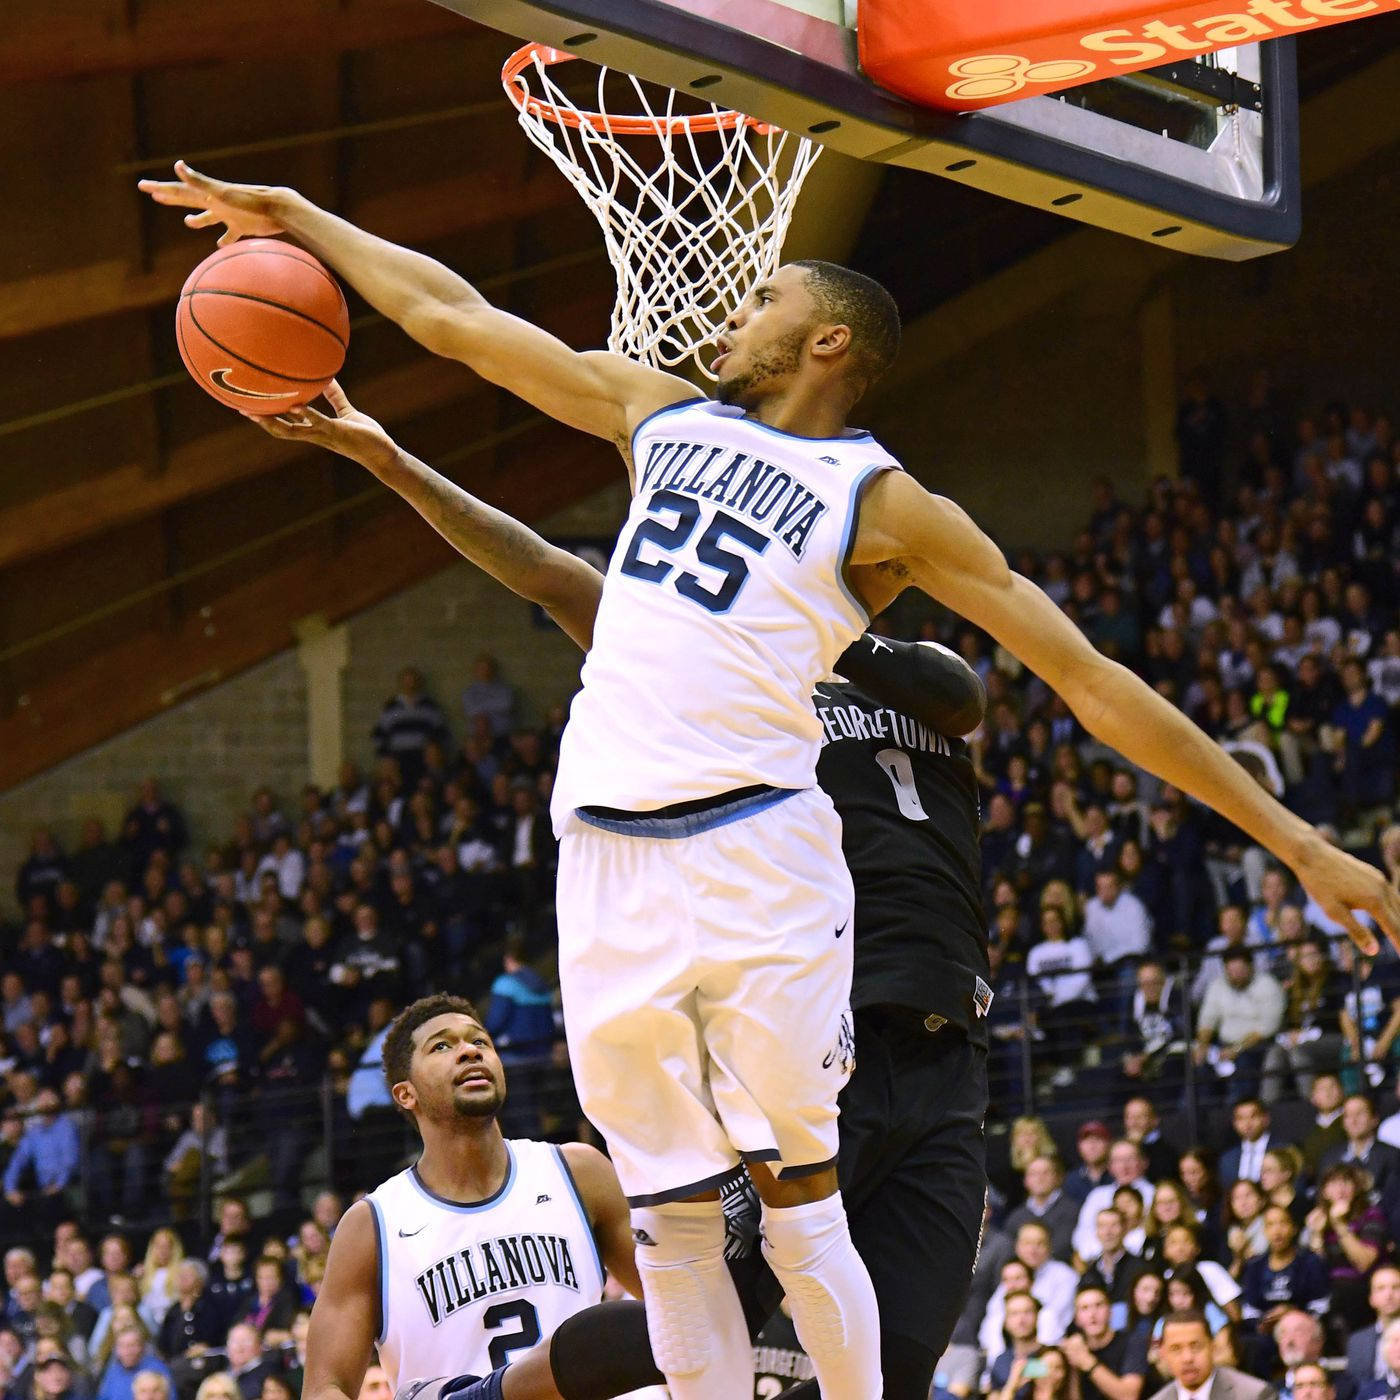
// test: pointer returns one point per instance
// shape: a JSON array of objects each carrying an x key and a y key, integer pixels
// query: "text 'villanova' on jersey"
[
  {"x": 725, "y": 601},
  {"x": 465, "y": 1287}
]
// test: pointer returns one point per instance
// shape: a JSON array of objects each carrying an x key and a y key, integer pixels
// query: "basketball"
[{"x": 262, "y": 326}]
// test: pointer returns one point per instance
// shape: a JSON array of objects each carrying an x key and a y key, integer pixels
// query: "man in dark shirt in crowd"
[
  {"x": 367, "y": 963},
  {"x": 1093, "y": 1142},
  {"x": 1154, "y": 1041},
  {"x": 408, "y": 723},
  {"x": 228, "y": 1052},
  {"x": 230, "y": 1281},
  {"x": 1047, "y": 1202},
  {"x": 1200, "y": 437},
  {"x": 1366, "y": 1361},
  {"x": 1116, "y": 1269},
  {"x": 1366, "y": 1150},
  {"x": 194, "y": 1319},
  {"x": 1021, "y": 1329},
  {"x": 1327, "y": 1131},
  {"x": 44, "y": 869},
  {"x": 1142, "y": 1126},
  {"x": 152, "y": 825},
  {"x": 1112, "y": 1365},
  {"x": 96, "y": 862}
]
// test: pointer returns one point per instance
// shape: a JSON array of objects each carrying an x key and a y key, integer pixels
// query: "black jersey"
[{"x": 909, "y": 812}]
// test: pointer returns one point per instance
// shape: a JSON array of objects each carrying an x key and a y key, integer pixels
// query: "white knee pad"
[
  {"x": 796, "y": 1240},
  {"x": 828, "y": 1288},
  {"x": 680, "y": 1256}
]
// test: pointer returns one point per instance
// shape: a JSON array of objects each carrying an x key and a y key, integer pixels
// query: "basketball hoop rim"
[{"x": 605, "y": 124}]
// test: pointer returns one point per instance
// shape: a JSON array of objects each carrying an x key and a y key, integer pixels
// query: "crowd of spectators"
[
  {"x": 177, "y": 1021},
  {"x": 181, "y": 1027},
  {"x": 1283, "y": 1245},
  {"x": 229, "y": 1323},
  {"x": 1266, "y": 608}
]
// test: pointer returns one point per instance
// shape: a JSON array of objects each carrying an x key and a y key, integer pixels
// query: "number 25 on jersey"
[{"x": 731, "y": 568}]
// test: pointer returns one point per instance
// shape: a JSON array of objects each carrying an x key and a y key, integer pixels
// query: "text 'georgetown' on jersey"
[
  {"x": 494, "y": 1266},
  {"x": 738, "y": 481},
  {"x": 861, "y": 722}
]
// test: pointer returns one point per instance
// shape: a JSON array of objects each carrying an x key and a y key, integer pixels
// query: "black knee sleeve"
[{"x": 603, "y": 1351}]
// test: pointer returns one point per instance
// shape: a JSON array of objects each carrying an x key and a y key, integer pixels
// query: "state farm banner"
[{"x": 964, "y": 54}]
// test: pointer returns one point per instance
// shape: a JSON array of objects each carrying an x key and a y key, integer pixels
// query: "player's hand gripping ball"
[{"x": 262, "y": 326}]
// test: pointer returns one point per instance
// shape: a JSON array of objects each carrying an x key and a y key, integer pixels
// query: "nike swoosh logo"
[
  {"x": 408, "y": 1234},
  {"x": 221, "y": 378},
  {"x": 843, "y": 928}
]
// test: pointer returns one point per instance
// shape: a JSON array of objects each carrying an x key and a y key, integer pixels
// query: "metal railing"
[
  {"x": 1086, "y": 1058},
  {"x": 277, "y": 1147},
  {"x": 274, "y": 1147}
]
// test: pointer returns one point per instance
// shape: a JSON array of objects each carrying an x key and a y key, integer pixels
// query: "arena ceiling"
[{"x": 151, "y": 544}]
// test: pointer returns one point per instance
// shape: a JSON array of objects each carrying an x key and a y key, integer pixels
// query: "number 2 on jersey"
[
  {"x": 733, "y": 567},
  {"x": 897, "y": 766},
  {"x": 522, "y": 1339}
]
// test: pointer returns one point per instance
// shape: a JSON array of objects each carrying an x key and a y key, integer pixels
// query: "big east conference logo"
[{"x": 964, "y": 54}]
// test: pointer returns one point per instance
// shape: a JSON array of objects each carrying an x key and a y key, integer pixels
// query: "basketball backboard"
[{"x": 1200, "y": 156}]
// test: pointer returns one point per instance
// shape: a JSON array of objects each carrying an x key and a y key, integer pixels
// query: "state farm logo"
[
  {"x": 1186, "y": 29},
  {"x": 1000, "y": 74}
]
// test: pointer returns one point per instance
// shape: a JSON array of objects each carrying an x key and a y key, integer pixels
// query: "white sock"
[
  {"x": 694, "y": 1318},
  {"x": 829, "y": 1291}
]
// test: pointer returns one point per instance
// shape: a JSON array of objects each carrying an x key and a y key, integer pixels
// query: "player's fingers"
[
  {"x": 1388, "y": 913},
  {"x": 190, "y": 176},
  {"x": 335, "y": 396},
  {"x": 167, "y": 192},
  {"x": 204, "y": 219},
  {"x": 1356, "y": 930},
  {"x": 229, "y": 235},
  {"x": 271, "y": 426}
]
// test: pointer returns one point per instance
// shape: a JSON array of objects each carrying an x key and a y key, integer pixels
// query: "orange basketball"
[{"x": 262, "y": 326}]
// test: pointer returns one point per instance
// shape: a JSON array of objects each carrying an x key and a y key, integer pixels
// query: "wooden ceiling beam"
[
  {"x": 412, "y": 216},
  {"x": 112, "y": 498},
  {"x": 128, "y": 683},
  {"x": 65, "y": 41},
  {"x": 109, "y": 499}
]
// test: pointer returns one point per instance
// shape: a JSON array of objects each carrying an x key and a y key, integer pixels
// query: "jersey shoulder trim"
[
  {"x": 849, "y": 435},
  {"x": 657, "y": 413},
  {"x": 468, "y": 1207},
  {"x": 381, "y": 1247},
  {"x": 848, "y": 538},
  {"x": 567, "y": 1172}
]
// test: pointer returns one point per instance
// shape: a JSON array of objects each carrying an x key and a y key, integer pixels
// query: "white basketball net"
[{"x": 693, "y": 207}]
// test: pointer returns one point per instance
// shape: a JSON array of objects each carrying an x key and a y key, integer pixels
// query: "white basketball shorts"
[{"x": 705, "y": 964}]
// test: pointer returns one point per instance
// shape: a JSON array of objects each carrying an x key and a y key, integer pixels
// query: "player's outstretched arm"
[
  {"x": 607, "y": 1212},
  {"x": 345, "y": 1320},
  {"x": 512, "y": 553},
  {"x": 952, "y": 560},
  {"x": 599, "y": 392}
]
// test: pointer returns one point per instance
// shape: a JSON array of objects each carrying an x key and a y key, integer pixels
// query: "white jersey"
[
  {"x": 725, "y": 602},
  {"x": 463, "y": 1287}
]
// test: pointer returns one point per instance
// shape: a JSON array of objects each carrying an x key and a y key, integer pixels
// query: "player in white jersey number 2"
[
  {"x": 467, "y": 1259},
  {"x": 702, "y": 895}
]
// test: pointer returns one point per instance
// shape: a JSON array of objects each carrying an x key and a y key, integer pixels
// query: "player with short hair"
[
  {"x": 911, "y": 1168},
  {"x": 762, "y": 534},
  {"x": 483, "y": 1246}
]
